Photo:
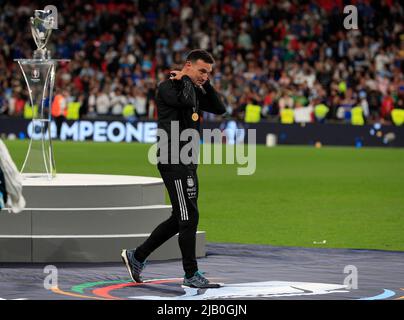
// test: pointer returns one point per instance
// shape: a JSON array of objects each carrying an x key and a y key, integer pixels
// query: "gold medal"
[{"x": 195, "y": 116}]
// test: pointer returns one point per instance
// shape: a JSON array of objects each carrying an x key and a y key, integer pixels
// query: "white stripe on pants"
[{"x": 181, "y": 200}]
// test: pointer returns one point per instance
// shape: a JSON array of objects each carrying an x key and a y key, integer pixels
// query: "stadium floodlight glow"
[{"x": 39, "y": 75}]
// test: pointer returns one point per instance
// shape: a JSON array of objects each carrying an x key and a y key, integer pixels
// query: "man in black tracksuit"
[{"x": 180, "y": 101}]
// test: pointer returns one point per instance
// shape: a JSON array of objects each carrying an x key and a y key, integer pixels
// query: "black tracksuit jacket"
[{"x": 177, "y": 101}]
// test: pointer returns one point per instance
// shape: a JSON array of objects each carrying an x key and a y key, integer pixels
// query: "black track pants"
[{"x": 182, "y": 185}]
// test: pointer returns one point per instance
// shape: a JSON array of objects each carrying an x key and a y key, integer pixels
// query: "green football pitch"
[{"x": 298, "y": 196}]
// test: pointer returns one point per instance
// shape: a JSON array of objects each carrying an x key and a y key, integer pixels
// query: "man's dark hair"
[{"x": 200, "y": 54}]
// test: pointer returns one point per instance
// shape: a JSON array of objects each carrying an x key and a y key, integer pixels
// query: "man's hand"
[{"x": 176, "y": 75}]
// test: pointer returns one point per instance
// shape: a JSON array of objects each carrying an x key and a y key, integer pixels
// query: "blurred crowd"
[{"x": 293, "y": 55}]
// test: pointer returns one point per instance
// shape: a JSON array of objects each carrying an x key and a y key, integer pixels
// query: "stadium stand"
[{"x": 270, "y": 54}]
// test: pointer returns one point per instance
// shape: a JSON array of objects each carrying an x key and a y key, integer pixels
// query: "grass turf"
[{"x": 352, "y": 198}]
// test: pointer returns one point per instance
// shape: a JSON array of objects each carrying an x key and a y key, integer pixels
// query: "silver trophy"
[
  {"x": 42, "y": 25},
  {"x": 39, "y": 75}
]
